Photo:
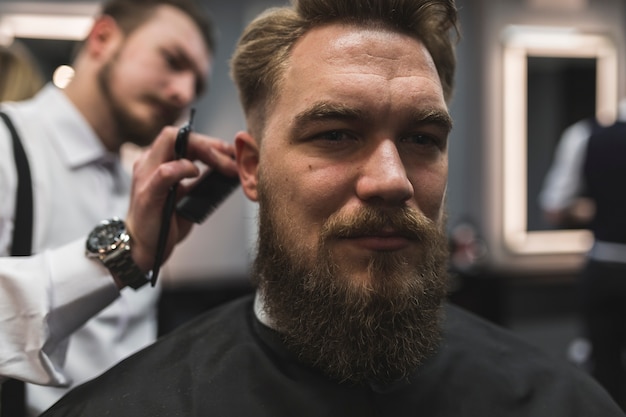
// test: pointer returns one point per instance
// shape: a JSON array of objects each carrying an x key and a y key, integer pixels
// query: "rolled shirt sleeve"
[{"x": 46, "y": 298}]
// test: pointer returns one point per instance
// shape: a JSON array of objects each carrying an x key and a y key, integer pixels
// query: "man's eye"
[
  {"x": 172, "y": 61},
  {"x": 422, "y": 140},
  {"x": 334, "y": 136}
]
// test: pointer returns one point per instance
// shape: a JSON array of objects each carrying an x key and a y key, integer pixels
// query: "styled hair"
[
  {"x": 20, "y": 75},
  {"x": 264, "y": 48},
  {"x": 130, "y": 14}
]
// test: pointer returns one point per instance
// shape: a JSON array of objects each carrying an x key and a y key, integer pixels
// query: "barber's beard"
[
  {"x": 129, "y": 127},
  {"x": 376, "y": 331}
]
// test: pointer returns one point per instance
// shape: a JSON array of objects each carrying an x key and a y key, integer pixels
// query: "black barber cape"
[{"x": 226, "y": 363}]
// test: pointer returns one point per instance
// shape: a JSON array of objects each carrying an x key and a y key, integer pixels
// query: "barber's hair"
[
  {"x": 130, "y": 14},
  {"x": 20, "y": 74},
  {"x": 264, "y": 48}
]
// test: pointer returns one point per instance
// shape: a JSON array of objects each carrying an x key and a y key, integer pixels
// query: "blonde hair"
[
  {"x": 20, "y": 76},
  {"x": 264, "y": 48}
]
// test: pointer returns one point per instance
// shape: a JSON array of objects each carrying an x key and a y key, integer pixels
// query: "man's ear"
[
  {"x": 247, "y": 151},
  {"x": 104, "y": 37}
]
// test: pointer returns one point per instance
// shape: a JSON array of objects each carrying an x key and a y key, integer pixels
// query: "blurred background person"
[
  {"x": 20, "y": 75},
  {"x": 584, "y": 189}
]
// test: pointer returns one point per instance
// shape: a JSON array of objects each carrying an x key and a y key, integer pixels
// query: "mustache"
[{"x": 367, "y": 221}]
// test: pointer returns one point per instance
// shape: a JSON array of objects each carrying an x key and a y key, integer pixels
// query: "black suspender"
[
  {"x": 13, "y": 395},
  {"x": 23, "y": 225}
]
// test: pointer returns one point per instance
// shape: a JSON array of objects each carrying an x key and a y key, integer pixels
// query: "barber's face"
[
  {"x": 155, "y": 74},
  {"x": 360, "y": 122}
]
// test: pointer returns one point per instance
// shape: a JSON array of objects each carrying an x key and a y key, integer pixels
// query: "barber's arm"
[
  {"x": 44, "y": 299},
  {"x": 48, "y": 296}
]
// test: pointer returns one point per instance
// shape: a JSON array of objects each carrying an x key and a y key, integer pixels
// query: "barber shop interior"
[{"x": 526, "y": 72}]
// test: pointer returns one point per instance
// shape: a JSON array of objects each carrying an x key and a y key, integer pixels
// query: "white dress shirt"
[{"x": 58, "y": 292}]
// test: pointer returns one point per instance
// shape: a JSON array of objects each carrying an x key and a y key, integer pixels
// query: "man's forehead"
[
  {"x": 342, "y": 47},
  {"x": 346, "y": 37},
  {"x": 171, "y": 27},
  {"x": 347, "y": 57}
]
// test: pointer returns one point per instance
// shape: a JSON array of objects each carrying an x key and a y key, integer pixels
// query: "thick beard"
[
  {"x": 130, "y": 128},
  {"x": 376, "y": 332}
]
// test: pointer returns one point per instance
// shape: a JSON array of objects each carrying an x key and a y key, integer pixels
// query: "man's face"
[
  {"x": 155, "y": 74},
  {"x": 351, "y": 179}
]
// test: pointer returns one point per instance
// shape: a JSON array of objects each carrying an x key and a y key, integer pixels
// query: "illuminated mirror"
[
  {"x": 552, "y": 78},
  {"x": 561, "y": 91}
]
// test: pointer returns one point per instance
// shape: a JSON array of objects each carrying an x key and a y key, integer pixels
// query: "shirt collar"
[
  {"x": 73, "y": 137},
  {"x": 259, "y": 310}
]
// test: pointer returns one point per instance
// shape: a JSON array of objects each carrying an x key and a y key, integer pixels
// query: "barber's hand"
[{"x": 154, "y": 172}]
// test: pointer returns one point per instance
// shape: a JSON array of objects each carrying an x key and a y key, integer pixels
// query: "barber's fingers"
[
  {"x": 162, "y": 149},
  {"x": 154, "y": 185},
  {"x": 215, "y": 153}
]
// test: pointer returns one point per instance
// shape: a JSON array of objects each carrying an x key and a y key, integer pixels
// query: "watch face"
[{"x": 105, "y": 235}]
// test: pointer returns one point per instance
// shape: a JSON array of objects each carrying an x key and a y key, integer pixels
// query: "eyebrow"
[
  {"x": 434, "y": 116},
  {"x": 324, "y": 110}
]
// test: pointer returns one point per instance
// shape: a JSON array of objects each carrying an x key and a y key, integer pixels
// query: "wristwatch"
[{"x": 110, "y": 243}]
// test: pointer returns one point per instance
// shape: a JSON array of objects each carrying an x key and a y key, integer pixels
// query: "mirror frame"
[{"x": 521, "y": 42}]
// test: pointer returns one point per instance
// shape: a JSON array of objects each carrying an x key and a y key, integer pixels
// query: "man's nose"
[
  {"x": 384, "y": 177},
  {"x": 183, "y": 89}
]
